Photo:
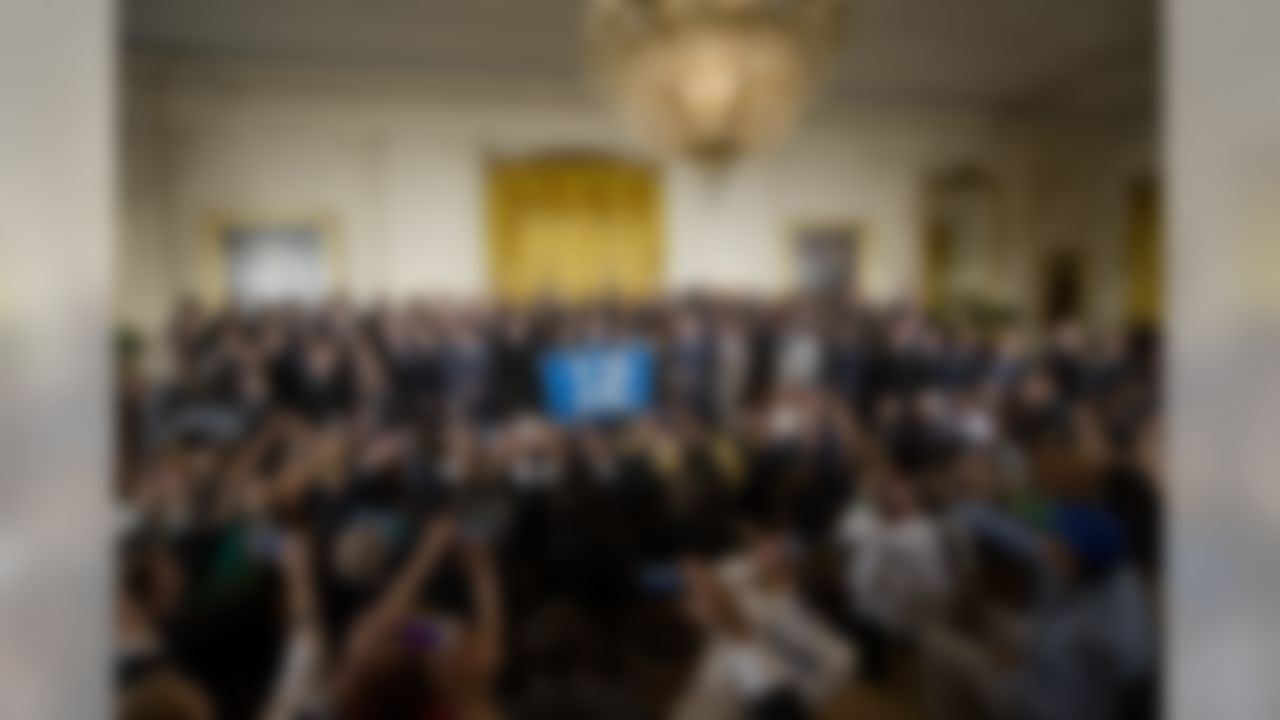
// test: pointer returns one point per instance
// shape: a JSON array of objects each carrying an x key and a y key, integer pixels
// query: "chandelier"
[{"x": 712, "y": 80}]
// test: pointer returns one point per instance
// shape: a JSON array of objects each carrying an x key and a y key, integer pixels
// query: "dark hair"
[
  {"x": 781, "y": 704},
  {"x": 138, "y": 569},
  {"x": 164, "y": 695}
]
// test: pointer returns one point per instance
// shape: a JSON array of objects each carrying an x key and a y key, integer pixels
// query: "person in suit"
[
  {"x": 517, "y": 352},
  {"x": 691, "y": 363}
]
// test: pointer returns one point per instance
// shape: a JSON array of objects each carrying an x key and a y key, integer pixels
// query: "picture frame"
[
  {"x": 823, "y": 257},
  {"x": 224, "y": 228}
]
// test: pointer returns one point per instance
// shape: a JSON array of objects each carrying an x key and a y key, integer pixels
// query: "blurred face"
[
  {"x": 516, "y": 328},
  {"x": 190, "y": 321},
  {"x": 369, "y": 372},
  {"x": 200, "y": 463},
  {"x": 786, "y": 421},
  {"x": 1065, "y": 472},
  {"x": 974, "y": 476},
  {"x": 888, "y": 411},
  {"x": 322, "y": 357},
  {"x": 1037, "y": 390},
  {"x": 707, "y": 603},
  {"x": 384, "y": 450},
  {"x": 272, "y": 341},
  {"x": 1009, "y": 346},
  {"x": 772, "y": 558},
  {"x": 360, "y": 554},
  {"x": 1060, "y": 560},
  {"x": 394, "y": 329},
  {"x": 459, "y": 453},
  {"x": 1069, "y": 338},
  {"x": 1111, "y": 347},
  {"x": 902, "y": 335},
  {"x": 896, "y": 498},
  {"x": 339, "y": 315},
  {"x": 165, "y": 584},
  {"x": 686, "y": 326},
  {"x": 931, "y": 406},
  {"x": 255, "y": 501}
]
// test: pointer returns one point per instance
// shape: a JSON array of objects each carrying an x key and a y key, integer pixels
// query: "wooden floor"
[{"x": 865, "y": 702}]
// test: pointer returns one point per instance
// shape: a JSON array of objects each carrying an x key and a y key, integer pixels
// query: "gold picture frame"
[
  {"x": 843, "y": 239},
  {"x": 218, "y": 227},
  {"x": 957, "y": 264}
]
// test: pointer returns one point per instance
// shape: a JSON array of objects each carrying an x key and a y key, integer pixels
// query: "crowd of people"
[{"x": 366, "y": 513}]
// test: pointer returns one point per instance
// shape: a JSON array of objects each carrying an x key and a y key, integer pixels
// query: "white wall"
[{"x": 399, "y": 162}]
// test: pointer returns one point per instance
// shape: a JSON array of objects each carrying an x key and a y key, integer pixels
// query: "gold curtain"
[
  {"x": 1145, "y": 256},
  {"x": 939, "y": 258},
  {"x": 574, "y": 228}
]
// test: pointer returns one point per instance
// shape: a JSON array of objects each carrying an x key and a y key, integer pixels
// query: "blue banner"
[{"x": 598, "y": 382}]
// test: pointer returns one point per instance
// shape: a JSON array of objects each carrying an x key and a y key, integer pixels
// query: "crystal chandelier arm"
[{"x": 713, "y": 78}]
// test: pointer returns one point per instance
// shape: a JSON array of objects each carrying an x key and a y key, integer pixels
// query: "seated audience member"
[
  {"x": 739, "y": 676},
  {"x": 1080, "y": 652},
  {"x": 767, "y": 654},
  {"x": 1131, "y": 493},
  {"x": 899, "y": 576}
]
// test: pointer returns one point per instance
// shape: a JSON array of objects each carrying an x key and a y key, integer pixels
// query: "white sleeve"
[
  {"x": 727, "y": 675},
  {"x": 295, "y": 682},
  {"x": 751, "y": 670},
  {"x": 830, "y": 659},
  {"x": 852, "y": 527}
]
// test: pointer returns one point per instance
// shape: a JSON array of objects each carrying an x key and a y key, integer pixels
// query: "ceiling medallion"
[{"x": 712, "y": 80}]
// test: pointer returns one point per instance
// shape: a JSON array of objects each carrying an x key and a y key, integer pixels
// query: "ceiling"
[{"x": 1083, "y": 56}]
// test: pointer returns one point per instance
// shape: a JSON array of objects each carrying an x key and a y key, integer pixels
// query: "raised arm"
[
  {"x": 243, "y": 471},
  {"x": 304, "y": 653},
  {"x": 301, "y": 606},
  {"x": 489, "y": 624},
  {"x": 312, "y": 454},
  {"x": 397, "y": 600}
]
